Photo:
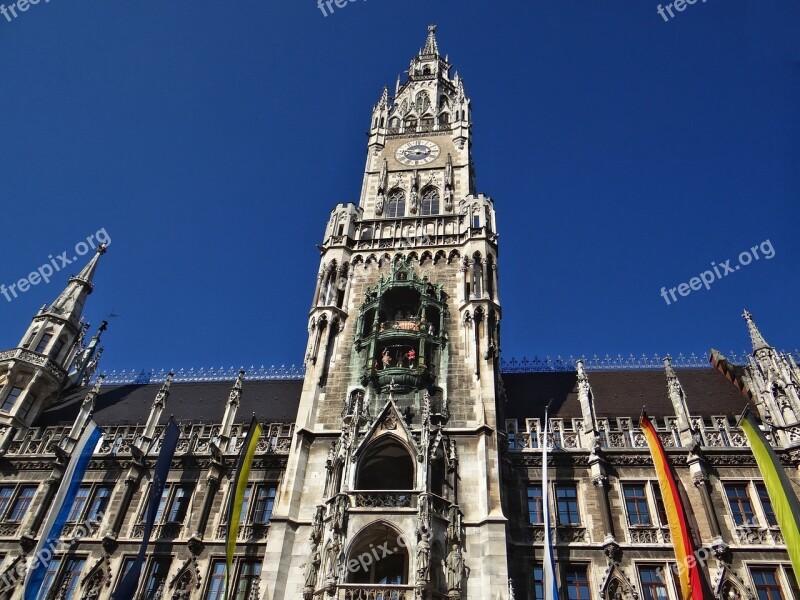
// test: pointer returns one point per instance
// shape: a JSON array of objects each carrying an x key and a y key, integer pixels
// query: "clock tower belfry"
[
  {"x": 392, "y": 486},
  {"x": 421, "y": 137}
]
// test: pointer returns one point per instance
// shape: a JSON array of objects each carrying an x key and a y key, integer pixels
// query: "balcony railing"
[
  {"x": 376, "y": 592},
  {"x": 9, "y": 530},
  {"x": 402, "y": 325},
  {"x": 562, "y": 534},
  {"x": 247, "y": 531},
  {"x": 649, "y": 535},
  {"x": 758, "y": 536},
  {"x": 195, "y": 439},
  {"x": 34, "y": 358},
  {"x": 384, "y": 499},
  {"x": 622, "y": 433},
  {"x": 353, "y": 591},
  {"x": 161, "y": 531}
]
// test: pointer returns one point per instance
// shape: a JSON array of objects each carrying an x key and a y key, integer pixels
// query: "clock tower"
[{"x": 392, "y": 486}]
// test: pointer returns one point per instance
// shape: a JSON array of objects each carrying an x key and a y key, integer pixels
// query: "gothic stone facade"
[{"x": 403, "y": 464}]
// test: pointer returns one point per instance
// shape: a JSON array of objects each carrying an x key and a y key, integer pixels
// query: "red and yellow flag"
[{"x": 691, "y": 580}]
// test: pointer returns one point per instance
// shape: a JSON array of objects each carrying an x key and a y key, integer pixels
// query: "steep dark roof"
[
  {"x": 620, "y": 393},
  {"x": 271, "y": 401}
]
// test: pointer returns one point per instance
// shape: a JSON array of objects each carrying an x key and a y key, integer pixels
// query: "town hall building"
[{"x": 403, "y": 461}]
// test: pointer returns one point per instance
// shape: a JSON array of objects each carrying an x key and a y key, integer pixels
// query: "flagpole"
[{"x": 549, "y": 586}]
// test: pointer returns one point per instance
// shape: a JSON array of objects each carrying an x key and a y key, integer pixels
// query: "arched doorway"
[{"x": 378, "y": 556}]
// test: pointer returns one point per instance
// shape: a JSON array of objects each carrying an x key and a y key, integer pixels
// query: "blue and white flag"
[
  {"x": 60, "y": 509},
  {"x": 548, "y": 567},
  {"x": 127, "y": 587}
]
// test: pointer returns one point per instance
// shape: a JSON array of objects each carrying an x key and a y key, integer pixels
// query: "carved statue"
[
  {"x": 94, "y": 586},
  {"x": 423, "y": 559},
  {"x": 339, "y": 512},
  {"x": 332, "y": 556},
  {"x": 312, "y": 568},
  {"x": 379, "y": 203},
  {"x": 454, "y": 569},
  {"x": 316, "y": 530},
  {"x": 414, "y": 199}
]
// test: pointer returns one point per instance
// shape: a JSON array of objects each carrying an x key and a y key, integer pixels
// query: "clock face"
[{"x": 418, "y": 152}]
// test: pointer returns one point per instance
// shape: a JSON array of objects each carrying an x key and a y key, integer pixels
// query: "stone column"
[
  {"x": 702, "y": 483},
  {"x": 50, "y": 488},
  {"x": 602, "y": 485},
  {"x": 318, "y": 288},
  {"x": 131, "y": 485},
  {"x": 212, "y": 487}
]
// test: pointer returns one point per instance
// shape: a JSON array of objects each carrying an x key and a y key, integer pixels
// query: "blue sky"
[{"x": 211, "y": 140}]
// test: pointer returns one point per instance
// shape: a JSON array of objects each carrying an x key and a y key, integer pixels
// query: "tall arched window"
[
  {"x": 430, "y": 201},
  {"x": 423, "y": 102},
  {"x": 386, "y": 465},
  {"x": 396, "y": 204}
]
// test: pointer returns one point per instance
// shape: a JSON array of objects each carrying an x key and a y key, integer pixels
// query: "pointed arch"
[
  {"x": 384, "y": 260},
  {"x": 441, "y": 256},
  {"x": 392, "y": 569},
  {"x": 430, "y": 200},
  {"x": 454, "y": 255},
  {"x": 386, "y": 454},
  {"x": 617, "y": 585},
  {"x": 731, "y": 587},
  {"x": 187, "y": 578},
  {"x": 426, "y": 256},
  {"x": 396, "y": 203},
  {"x": 423, "y": 101}
]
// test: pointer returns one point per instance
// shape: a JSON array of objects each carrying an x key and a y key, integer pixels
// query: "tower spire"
[
  {"x": 431, "y": 46},
  {"x": 759, "y": 343},
  {"x": 69, "y": 303}
]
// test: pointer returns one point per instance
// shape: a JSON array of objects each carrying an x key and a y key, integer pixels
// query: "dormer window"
[
  {"x": 57, "y": 346},
  {"x": 43, "y": 343},
  {"x": 11, "y": 399}
]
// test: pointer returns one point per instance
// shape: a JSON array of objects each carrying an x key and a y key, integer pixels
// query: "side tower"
[
  {"x": 392, "y": 487},
  {"x": 50, "y": 356}
]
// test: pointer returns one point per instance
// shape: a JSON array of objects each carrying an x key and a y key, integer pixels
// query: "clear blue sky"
[{"x": 211, "y": 140}]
